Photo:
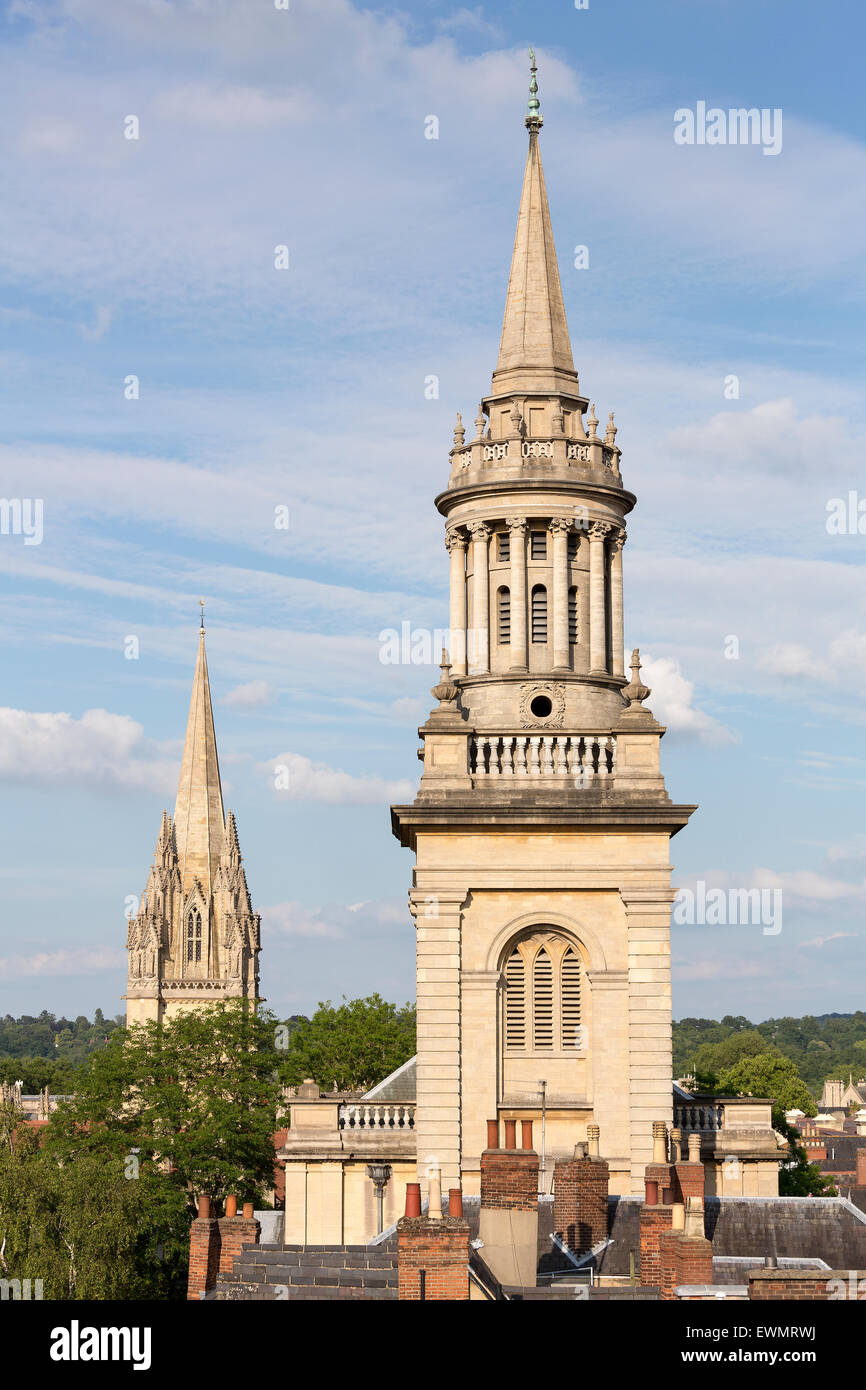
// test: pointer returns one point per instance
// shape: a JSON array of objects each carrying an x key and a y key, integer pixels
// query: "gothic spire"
[
  {"x": 199, "y": 818},
  {"x": 535, "y": 347}
]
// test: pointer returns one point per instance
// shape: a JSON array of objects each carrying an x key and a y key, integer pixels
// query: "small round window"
[{"x": 541, "y": 707}]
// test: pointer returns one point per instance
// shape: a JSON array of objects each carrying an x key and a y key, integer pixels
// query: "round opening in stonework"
[{"x": 542, "y": 702}]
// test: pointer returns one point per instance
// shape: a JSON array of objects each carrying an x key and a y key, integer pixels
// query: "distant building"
[{"x": 195, "y": 939}]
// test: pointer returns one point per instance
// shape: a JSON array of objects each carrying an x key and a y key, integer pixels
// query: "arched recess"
[{"x": 579, "y": 934}]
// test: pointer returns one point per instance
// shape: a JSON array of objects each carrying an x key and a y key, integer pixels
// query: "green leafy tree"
[
  {"x": 772, "y": 1076},
  {"x": 353, "y": 1045},
  {"x": 797, "y": 1176},
  {"x": 721, "y": 1056},
  {"x": 90, "y": 1229},
  {"x": 197, "y": 1095}
]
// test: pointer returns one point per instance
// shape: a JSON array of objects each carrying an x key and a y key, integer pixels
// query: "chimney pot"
[
  {"x": 455, "y": 1201},
  {"x": 526, "y": 1134},
  {"x": 493, "y": 1134},
  {"x": 511, "y": 1134}
]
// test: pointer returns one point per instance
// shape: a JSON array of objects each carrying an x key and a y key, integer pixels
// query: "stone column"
[
  {"x": 597, "y": 625},
  {"x": 616, "y": 632},
  {"x": 517, "y": 527},
  {"x": 455, "y": 544},
  {"x": 479, "y": 634},
  {"x": 438, "y": 1098},
  {"x": 559, "y": 529}
]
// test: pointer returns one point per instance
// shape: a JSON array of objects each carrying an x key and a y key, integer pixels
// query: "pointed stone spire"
[
  {"x": 199, "y": 819},
  {"x": 535, "y": 350}
]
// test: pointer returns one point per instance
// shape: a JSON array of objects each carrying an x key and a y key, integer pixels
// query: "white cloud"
[
  {"x": 672, "y": 704},
  {"x": 311, "y": 781},
  {"x": 82, "y": 961},
  {"x": 253, "y": 695},
  {"x": 819, "y": 942},
  {"x": 336, "y": 920},
  {"x": 790, "y": 659},
  {"x": 99, "y": 750}
]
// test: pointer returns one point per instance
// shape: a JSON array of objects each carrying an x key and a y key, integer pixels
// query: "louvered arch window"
[
  {"x": 539, "y": 613},
  {"x": 572, "y": 614},
  {"x": 542, "y": 1007},
  {"x": 504, "y": 623}
]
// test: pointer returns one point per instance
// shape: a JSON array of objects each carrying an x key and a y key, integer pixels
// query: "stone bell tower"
[
  {"x": 541, "y": 829},
  {"x": 195, "y": 938}
]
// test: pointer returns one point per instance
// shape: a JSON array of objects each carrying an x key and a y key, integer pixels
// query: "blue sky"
[{"x": 305, "y": 388}]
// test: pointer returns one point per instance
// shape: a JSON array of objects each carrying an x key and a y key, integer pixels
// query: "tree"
[
  {"x": 772, "y": 1076},
  {"x": 197, "y": 1094},
  {"x": 86, "y": 1229},
  {"x": 352, "y": 1046},
  {"x": 720, "y": 1056},
  {"x": 797, "y": 1176}
]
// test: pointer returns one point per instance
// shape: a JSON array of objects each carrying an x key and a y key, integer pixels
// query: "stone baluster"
[
  {"x": 561, "y": 759},
  {"x": 507, "y": 757},
  {"x": 547, "y": 756},
  {"x": 534, "y": 766},
  {"x": 520, "y": 756}
]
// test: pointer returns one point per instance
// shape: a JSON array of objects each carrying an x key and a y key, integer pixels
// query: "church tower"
[
  {"x": 541, "y": 829},
  {"x": 195, "y": 939}
]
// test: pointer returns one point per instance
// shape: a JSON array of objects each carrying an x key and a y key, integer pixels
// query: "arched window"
[
  {"x": 572, "y": 614},
  {"x": 504, "y": 626},
  {"x": 542, "y": 1010},
  {"x": 539, "y": 613},
  {"x": 193, "y": 936}
]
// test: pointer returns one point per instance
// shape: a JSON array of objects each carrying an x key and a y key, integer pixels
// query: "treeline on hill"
[
  {"x": 822, "y": 1046},
  {"x": 347, "y": 1046},
  {"x": 47, "y": 1051}
]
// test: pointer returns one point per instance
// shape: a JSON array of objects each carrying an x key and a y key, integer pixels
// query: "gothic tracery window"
[
  {"x": 542, "y": 1006},
  {"x": 193, "y": 936}
]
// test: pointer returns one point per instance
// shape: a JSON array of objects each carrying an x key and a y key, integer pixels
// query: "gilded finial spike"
[
  {"x": 533, "y": 111},
  {"x": 201, "y": 606}
]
